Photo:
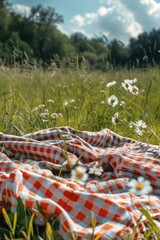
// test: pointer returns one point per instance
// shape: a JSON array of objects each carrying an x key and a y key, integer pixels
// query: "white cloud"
[
  {"x": 102, "y": 11},
  {"x": 90, "y": 17},
  {"x": 78, "y": 21},
  {"x": 22, "y": 9},
  {"x": 134, "y": 28},
  {"x": 120, "y": 19}
]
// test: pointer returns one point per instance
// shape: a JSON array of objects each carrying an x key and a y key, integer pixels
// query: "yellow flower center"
[
  {"x": 139, "y": 186},
  {"x": 79, "y": 174}
]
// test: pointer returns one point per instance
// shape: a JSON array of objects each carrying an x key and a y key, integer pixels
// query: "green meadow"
[{"x": 32, "y": 99}]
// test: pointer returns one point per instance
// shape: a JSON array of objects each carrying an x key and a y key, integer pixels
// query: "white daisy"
[
  {"x": 79, "y": 173},
  {"x": 133, "y": 89},
  {"x": 65, "y": 103},
  {"x": 102, "y": 91},
  {"x": 139, "y": 127},
  {"x": 46, "y": 111},
  {"x": 54, "y": 115},
  {"x": 122, "y": 103},
  {"x": 127, "y": 83},
  {"x": 115, "y": 118},
  {"x": 134, "y": 80},
  {"x": 50, "y": 101},
  {"x": 96, "y": 170},
  {"x": 112, "y": 100},
  {"x": 45, "y": 120},
  {"x": 42, "y": 115},
  {"x": 35, "y": 109},
  {"x": 41, "y": 106},
  {"x": 139, "y": 187},
  {"x": 110, "y": 84},
  {"x": 60, "y": 115}
]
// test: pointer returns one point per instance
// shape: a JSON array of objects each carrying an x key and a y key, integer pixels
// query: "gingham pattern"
[{"x": 29, "y": 167}]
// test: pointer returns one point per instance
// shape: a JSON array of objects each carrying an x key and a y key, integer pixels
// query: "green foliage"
[
  {"x": 37, "y": 38},
  {"x": 20, "y": 225},
  {"x": 45, "y": 15}
]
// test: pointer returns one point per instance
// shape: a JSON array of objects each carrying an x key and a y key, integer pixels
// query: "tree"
[
  {"x": 80, "y": 42},
  {"x": 144, "y": 49},
  {"x": 46, "y": 20},
  {"x": 4, "y": 20},
  {"x": 55, "y": 43},
  {"x": 3, "y": 3},
  {"x": 118, "y": 54},
  {"x": 42, "y": 15}
]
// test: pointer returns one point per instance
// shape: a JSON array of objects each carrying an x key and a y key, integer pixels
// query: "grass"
[
  {"x": 33, "y": 99},
  {"x": 85, "y": 95}
]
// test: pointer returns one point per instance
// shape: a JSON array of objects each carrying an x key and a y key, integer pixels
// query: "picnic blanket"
[{"x": 37, "y": 167}]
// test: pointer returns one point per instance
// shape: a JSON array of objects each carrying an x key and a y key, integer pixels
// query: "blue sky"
[{"x": 119, "y": 19}]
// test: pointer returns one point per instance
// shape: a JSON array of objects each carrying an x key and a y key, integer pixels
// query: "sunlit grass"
[{"x": 80, "y": 101}]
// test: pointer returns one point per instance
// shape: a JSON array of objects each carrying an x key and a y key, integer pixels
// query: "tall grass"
[
  {"x": 33, "y": 99},
  {"x": 80, "y": 101}
]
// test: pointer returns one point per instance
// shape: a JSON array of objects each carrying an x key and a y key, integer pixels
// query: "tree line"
[{"x": 36, "y": 39}]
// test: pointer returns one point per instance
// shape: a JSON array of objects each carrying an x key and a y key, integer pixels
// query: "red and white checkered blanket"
[{"x": 29, "y": 167}]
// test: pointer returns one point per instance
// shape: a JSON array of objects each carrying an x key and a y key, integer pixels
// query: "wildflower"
[
  {"x": 127, "y": 83},
  {"x": 139, "y": 127},
  {"x": 102, "y": 102},
  {"x": 72, "y": 100},
  {"x": 60, "y": 115},
  {"x": 42, "y": 115},
  {"x": 54, "y": 115},
  {"x": 122, "y": 103},
  {"x": 65, "y": 103},
  {"x": 131, "y": 124},
  {"x": 45, "y": 120},
  {"x": 102, "y": 91},
  {"x": 41, "y": 106},
  {"x": 110, "y": 84},
  {"x": 112, "y": 101},
  {"x": 96, "y": 170},
  {"x": 50, "y": 101},
  {"x": 35, "y": 109},
  {"x": 134, "y": 80},
  {"x": 46, "y": 112},
  {"x": 133, "y": 89},
  {"x": 130, "y": 81},
  {"x": 115, "y": 118},
  {"x": 79, "y": 173},
  {"x": 141, "y": 186}
]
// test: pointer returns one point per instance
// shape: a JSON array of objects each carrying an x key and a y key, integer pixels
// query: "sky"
[{"x": 120, "y": 19}]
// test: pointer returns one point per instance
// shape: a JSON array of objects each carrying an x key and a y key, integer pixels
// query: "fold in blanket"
[{"x": 29, "y": 168}]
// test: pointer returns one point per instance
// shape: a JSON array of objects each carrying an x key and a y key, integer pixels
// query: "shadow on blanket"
[{"x": 29, "y": 167}]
